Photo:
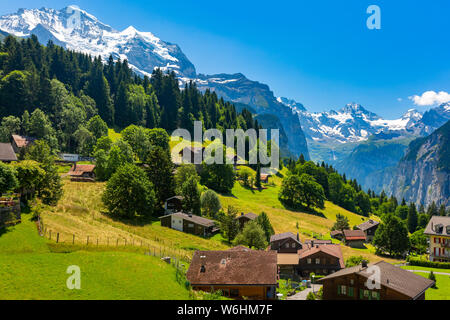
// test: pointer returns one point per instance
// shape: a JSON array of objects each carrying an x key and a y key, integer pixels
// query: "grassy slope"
[
  {"x": 284, "y": 220},
  {"x": 80, "y": 212},
  {"x": 30, "y": 270}
]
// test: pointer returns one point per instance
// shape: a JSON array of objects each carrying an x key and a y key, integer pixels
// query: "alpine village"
[{"x": 89, "y": 177}]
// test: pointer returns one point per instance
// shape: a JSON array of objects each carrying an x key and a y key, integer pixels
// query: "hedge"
[{"x": 425, "y": 263}]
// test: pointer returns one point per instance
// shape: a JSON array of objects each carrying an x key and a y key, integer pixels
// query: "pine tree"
[{"x": 412, "y": 219}]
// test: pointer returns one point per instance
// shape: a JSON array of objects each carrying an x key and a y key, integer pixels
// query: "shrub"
[{"x": 425, "y": 263}]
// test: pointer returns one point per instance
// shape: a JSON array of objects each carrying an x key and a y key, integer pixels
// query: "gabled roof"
[
  {"x": 283, "y": 236},
  {"x": 287, "y": 259},
  {"x": 395, "y": 278},
  {"x": 354, "y": 235},
  {"x": 7, "y": 153},
  {"x": 438, "y": 226},
  {"x": 249, "y": 215},
  {"x": 329, "y": 249},
  {"x": 80, "y": 169},
  {"x": 22, "y": 141},
  {"x": 369, "y": 224},
  {"x": 192, "y": 218},
  {"x": 233, "y": 267},
  {"x": 181, "y": 198}
]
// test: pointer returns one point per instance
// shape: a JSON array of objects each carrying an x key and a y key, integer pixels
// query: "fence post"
[
  {"x": 117, "y": 243},
  {"x": 50, "y": 235},
  {"x": 57, "y": 237},
  {"x": 73, "y": 239}
]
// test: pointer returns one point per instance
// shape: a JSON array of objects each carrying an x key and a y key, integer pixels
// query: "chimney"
[
  {"x": 364, "y": 263},
  {"x": 202, "y": 269},
  {"x": 312, "y": 243}
]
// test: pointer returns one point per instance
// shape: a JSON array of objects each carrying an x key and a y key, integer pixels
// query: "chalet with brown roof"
[
  {"x": 438, "y": 231},
  {"x": 82, "y": 173},
  {"x": 189, "y": 223},
  {"x": 21, "y": 142},
  {"x": 394, "y": 283},
  {"x": 7, "y": 153},
  {"x": 285, "y": 243},
  {"x": 174, "y": 204},
  {"x": 315, "y": 242},
  {"x": 244, "y": 218},
  {"x": 369, "y": 228},
  {"x": 320, "y": 259},
  {"x": 354, "y": 238},
  {"x": 238, "y": 273}
]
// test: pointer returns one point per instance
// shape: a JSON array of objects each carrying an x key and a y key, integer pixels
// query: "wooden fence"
[
  {"x": 9, "y": 209},
  {"x": 154, "y": 247}
]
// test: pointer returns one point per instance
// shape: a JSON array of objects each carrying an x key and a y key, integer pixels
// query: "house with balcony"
[{"x": 438, "y": 231}]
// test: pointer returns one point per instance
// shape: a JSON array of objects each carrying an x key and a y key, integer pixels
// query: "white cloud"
[
  {"x": 399, "y": 99},
  {"x": 430, "y": 98}
]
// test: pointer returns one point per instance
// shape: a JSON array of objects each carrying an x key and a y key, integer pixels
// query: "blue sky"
[{"x": 319, "y": 53}]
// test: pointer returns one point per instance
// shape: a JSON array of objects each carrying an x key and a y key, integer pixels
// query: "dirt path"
[{"x": 303, "y": 294}]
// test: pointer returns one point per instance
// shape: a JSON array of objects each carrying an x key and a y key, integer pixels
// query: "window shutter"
[
  {"x": 339, "y": 289},
  {"x": 361, "y": 294}
]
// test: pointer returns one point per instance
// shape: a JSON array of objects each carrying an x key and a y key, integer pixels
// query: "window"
[
  {"x": 308, "y": 261},
  {"x": 350, "y": 292},
  {"x": 190, "y": 225},
  {"x": 375, "y": 295},
  {"x": 343, "y": 290},
  {"x": 352, "y": 282},
  {"x": 287, "y": 245},
  {"x": 317, "y": 261},
  {"x": 366, "y": 293},
  {"x": 293, "y": 245}
]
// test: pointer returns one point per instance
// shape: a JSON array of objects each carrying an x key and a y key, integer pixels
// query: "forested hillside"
[{"x": 51, "y": 93}]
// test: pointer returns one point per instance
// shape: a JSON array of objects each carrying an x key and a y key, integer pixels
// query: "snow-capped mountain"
[
  {"x": 353, "y": 123},
  {"x": 294, "y": 105},
  {"x": 78, "y": 30}
]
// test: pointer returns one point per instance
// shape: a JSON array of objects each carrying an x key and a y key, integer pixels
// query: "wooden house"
[
  {"x": 369, "y": 228},
  {"x": 393, "y": 283},
  {"x": 21, "y": 142},
  {"x": 189, "y": 223},
  {"x": 174, "y": 204},
  {"x": 320, "y": 259},
  {"x": 82, "y": 173},
  {"x": 285, "y": 243},
  {"x": 238, "y": 273},
  {"x": 337, "y": 234},
  {"x": 245, "y": 218},
  {"x": 354, "y": 238},
  {"x": 7, "y": 153}
]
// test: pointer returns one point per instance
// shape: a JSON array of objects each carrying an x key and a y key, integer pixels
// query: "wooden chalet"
[
  {"x": 7, "y": 153},
  {"x": 369, "y": 228},
  {"x": 82, "y": 173},
  {"x": 21, "y": 142},
  {"x": 189, "y": 223},
  {"x": 320, "y": 259},
  {"x": 174, "y": 204},
  {"x": 394, "y": 283},
  {"x": 245, "y": 218},
  {"x": 285, "y": 243},
  {"x": 239, "y": 273},
  {"x": 354, "y": 238},
  {"x": 337, "y": 234}
]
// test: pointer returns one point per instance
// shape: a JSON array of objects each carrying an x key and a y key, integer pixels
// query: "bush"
[
  {"x": 425, "y": 263},
  {"x": 311, "y": 296},
  {"x": 432, "y": 277}
]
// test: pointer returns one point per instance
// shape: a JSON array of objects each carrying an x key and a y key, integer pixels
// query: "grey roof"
[
  {"x": 192, "y": 218},
  {"x": 249, "y": 215},
  {"x": 434, "y": 224},
  {"x": 7, "y": 152},
  {"x": 393, "y": 277},
  {"x": 368, "y": 225},
  {"x": 283, "y": 236}
]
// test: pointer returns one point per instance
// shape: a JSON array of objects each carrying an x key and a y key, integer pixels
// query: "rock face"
[
  {"x": 423, "y": 175},
  {"x": 145, "y": 52}
]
